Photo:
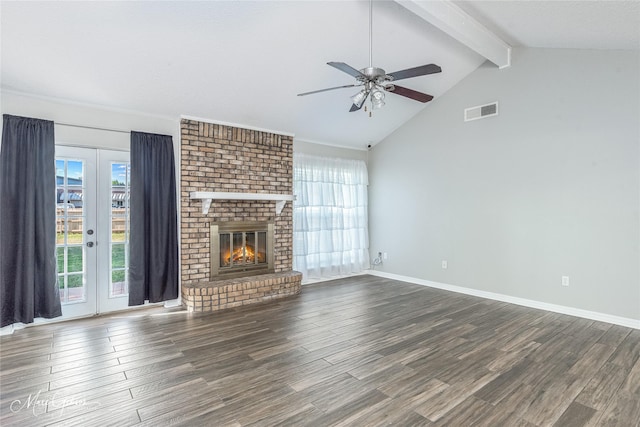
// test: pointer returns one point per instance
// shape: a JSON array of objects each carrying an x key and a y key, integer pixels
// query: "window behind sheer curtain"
[{"x": 330, "y": 230}]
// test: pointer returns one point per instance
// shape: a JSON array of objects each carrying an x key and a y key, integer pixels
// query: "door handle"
[{"x": 90, "y": 244}]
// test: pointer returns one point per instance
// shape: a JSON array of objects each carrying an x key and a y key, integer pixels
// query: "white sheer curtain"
[{"x": 330, "y": 230}]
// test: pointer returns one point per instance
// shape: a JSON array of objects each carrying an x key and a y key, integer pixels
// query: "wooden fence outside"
[{"x": 74, "y": 220}]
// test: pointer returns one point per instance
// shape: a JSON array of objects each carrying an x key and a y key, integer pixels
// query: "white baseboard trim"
[
  {"x": 571, "y": 311},
  {"x": 38, "y": 321},
  {"x": 173, "y": 303},
  {"x": 326, "y": 279}
]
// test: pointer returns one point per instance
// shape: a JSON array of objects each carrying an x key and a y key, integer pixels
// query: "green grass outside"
[{"x": 75, "y": 261}]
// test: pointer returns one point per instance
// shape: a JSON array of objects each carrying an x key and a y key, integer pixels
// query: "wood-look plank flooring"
[{"x": 362, "y": 351}]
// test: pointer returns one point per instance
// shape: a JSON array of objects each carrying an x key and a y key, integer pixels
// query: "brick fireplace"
[{"x": 225, "y": 159}]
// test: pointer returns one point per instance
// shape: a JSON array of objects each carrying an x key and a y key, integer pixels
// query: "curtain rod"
[{"x": 92, "y": 127}]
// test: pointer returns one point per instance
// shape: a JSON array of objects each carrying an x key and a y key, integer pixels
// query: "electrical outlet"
[
  {"x": 385, "y": 255},
  {"x": 565, "y": 280},
  {"x": 444, "y": 264}
]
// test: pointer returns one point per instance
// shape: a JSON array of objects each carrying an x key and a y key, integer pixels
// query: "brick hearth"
[{"x": 223, "y": 294}]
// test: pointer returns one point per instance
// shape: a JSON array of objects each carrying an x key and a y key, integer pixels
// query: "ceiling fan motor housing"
[{"x": 373, "y": 74}]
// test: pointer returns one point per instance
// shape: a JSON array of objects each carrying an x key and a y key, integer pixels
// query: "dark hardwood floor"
[{"x": 362, "y": 351}]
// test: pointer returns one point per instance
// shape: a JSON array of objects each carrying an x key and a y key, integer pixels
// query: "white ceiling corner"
[{"x": 557, "y": 24}]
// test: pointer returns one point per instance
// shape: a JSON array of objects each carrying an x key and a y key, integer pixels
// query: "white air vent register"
[{"x": 481, "y": 111}]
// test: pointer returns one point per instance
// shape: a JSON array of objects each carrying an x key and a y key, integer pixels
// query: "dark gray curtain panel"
[
  {"x": 153, "y": 244},
  {"x": 28, "y": 277}
]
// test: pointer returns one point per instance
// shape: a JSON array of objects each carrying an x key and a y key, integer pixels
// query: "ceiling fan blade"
[
  {"x": 324, "y": 90},
  {"x": 414, "y": 72},
  {"x": 347, "y": 69},
  {"x": 409, "y": 93}
]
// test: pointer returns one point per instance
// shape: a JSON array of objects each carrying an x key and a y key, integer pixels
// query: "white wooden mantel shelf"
[{"x": 208, "y": 196}]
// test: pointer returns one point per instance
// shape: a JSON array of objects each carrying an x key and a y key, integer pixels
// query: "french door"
[{"x": 92, "y": 229}]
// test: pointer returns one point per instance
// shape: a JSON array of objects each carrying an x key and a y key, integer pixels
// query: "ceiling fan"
[{"x": 375, "y": 81}]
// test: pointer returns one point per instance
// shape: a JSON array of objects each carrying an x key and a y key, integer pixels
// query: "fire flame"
[{"x": 249, "y": 256}]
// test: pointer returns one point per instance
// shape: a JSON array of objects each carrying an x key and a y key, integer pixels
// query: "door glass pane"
[
  {"x": 119, "y": 227},
  {"x": 250, "y": 248},
  {"x": 237, "y": 256},
  {"x": 117, "y": 256},
  {"x": 225, "y": 250},
  {"x": 75, "y": 287},
  {"x": 70, "y": 192},
  {"x": 60, "y": 259},
  {"x": 75, "y": 227},
  {"x": 117, "y": 277},
  {"x": 60, "y": 229},
  {"x": 70, "y": 220},
  {"x": 74, "y": 259},
  {"x": 262, "y": 247},
  {"x": 63, "y": 288},
  {"x": 120, "y": 189}
]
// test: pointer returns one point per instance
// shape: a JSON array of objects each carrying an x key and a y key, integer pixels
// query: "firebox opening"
[
  {"x": 240, "y": 248},
  {"x": 244, "y": 248}
]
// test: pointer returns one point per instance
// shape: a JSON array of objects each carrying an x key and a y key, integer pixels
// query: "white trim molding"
[
  {"x": 571, "y": 311},
  {"x": 328, "y": 279},
  {"x": 65, "y": 101}
]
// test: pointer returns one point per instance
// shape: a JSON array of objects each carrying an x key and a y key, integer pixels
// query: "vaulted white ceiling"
[
  {"x": 576, "y": 24},
  {"x": 244, "y": 62}
]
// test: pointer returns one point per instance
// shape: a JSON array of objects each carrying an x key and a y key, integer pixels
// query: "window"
[{"x": 330, "y": 230}]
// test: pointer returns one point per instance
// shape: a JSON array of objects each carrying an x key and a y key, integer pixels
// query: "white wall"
[
  {"x": 549, "y": 188},
  {"x": 328, "y": 150},
  {"x": 61, "y": 111},
  {"x": 84, "y": 115}
]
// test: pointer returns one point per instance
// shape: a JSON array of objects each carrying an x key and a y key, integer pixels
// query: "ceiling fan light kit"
[
  {"x": 359, "y": 98},
  {"x": 375, "y": 81},
  {"x": 377, "y": 99}
]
